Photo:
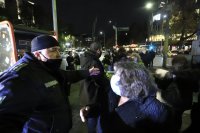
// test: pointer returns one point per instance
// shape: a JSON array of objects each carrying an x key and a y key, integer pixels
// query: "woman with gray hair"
[{"x": 133, "y": 104}]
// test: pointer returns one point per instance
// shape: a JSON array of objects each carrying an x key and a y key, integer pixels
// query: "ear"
[{"x": 37, "y": 55}]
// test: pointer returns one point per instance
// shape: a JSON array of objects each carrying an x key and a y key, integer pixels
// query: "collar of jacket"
[{"x": 29, "y": 57}]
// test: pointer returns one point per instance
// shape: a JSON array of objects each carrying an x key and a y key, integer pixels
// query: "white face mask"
[{"x": 115, "y": 84}]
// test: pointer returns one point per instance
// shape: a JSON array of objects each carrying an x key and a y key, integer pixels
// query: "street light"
[
  {"x": 149, "y": 6},
  {"x": 54, "y": 12},
  {"x": 104, "y": 38},
  {"x": 115, "y": 28},
  {"x": 110, "y": 21}
]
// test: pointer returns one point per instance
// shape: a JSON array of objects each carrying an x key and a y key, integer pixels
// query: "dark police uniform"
[{"x": 34, "y": 99}]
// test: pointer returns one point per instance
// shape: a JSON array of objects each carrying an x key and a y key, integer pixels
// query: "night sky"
[{"x": 80, "y": 14}]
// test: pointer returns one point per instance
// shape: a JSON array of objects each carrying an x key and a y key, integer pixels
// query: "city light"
[
  {"x": 164, "y": 16},
  {"x": 104, "y": 38},
  {"x": 149, "y": 5},
  {"x": 67, "y": 44}
]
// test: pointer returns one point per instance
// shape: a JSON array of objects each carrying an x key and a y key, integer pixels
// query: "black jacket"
[
  {"x": 34, "y": 99},
  {"x": 94, "y": 89}
]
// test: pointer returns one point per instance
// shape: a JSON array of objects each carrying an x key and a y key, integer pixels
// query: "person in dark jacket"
[
  {"x": 76, "y": 60},
  {"x": 94, "y": 89},
  {"x": 191, "y": 74},
  {"x": 33, "y": 92},
  {"x": 177, "y": 91},
  {"x": 107, "y": 62},
  {"x": 134, "y": 107},
  {"x": 70, "y": 61}
]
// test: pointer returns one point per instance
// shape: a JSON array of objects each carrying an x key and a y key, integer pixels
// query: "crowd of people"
[
  {"x": 115, "y": 55},
  {"x": 34, "y": 92}
]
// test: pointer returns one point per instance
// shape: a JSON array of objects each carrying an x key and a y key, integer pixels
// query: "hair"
[
  {"x": 137, "y": 56},
  {"x": 135, "y": 80},
  {"x": 181, "y": 60},
  {"x": 95, "y": 46},
  {"x": 121, "y": 50}
]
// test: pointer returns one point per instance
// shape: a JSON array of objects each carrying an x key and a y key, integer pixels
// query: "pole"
[
  {"x": 151, "y": 28},
  {"x": 116, "y": 36},
  {"x": 104, "y": 40},
  {"x": 166, "y": 43},
  {"x": 54, "y": 12},
  {"x": 168, "y": 9},
  {"x": 115, "y": 28}
]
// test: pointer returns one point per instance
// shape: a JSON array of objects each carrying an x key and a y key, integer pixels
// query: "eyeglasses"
[{"x": 54, "y": 49}]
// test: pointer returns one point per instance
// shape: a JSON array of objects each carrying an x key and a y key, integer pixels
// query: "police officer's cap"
[{"x": 43, "y": 42}]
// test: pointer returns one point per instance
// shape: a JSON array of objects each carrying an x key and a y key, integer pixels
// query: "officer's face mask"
[{"x": 53, "y": 64}]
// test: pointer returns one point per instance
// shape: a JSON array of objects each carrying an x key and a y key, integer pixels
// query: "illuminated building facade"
[
  {"x": 159, "y": 19},
  {"x": 29, "y": 13}
]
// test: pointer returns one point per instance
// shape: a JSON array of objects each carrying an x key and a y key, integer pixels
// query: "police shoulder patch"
[{"x": 19, "y": 67}]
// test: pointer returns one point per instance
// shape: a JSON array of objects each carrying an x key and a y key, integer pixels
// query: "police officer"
[{"x": 33, "y": 92}]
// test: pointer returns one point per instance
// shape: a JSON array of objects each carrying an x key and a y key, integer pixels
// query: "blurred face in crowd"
[{"x": 99, "y": 52}]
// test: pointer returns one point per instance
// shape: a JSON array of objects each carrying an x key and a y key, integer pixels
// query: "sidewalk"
[{"x": 77, "y": 125}]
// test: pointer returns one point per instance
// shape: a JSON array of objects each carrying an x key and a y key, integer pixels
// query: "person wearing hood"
[{"x": 34, "y": 91}]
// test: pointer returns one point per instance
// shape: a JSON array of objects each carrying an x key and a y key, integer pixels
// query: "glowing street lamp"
[
  {"x": 149, "y": 5},
  {"x": 110, "y": 21},
  {"x": 104, "y": 38}
]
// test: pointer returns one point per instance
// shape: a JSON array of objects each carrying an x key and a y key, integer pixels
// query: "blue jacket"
[{"x": 34, "y": 99}]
